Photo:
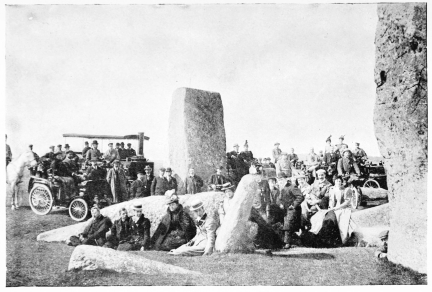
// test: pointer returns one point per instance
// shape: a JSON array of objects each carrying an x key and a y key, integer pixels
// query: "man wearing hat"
[
  {"x": 138, "y": 186},
  {"x": 116, "y": 177},
  {"x": 8, "y": 152},
  {"x": 70, "y": 162},
  {"x": 347, "y": 167},
  {"x": 381, "y": 252},
  {"x": 59, "y": 150},
  {"x": 147, "y": 180},
  {"x": 217, "y": 180},
  {"x": 341, "y": 144},
  {"x": 193, "y": 183},
  {"x": 95, "y": 232},
  {"x": 49, "y": 156},
  {"x": 129, "y": 151},
  {"x": 359, "y": 154},
  {"x": 292, "y": 157},
  {"x": 74, "y": 157},
  {"x": 276, "y": 152},
  {"x": 170, "y": 181},
  {"x": 85, "y": 149},
  {"x": 291, "y": 199},
  {"x": 246, "y": 156},
  {"x": 283, "y": 166},
  {"x": 204, "y": 240},
  {"x": 122, "y": 151},
  {"x": 94, "y": 171},
  {"x": 319, "y": 194},
  {"x": 176, "y": 227},
  {"x": 140, "y": 231},
  {"x": 111, "y": 154},
  {"x": 158, "y": 185},
  {"x": 328, "y": 145},
  {"x": 121, "y": 231},
  {"x": 93, "y": 153}
]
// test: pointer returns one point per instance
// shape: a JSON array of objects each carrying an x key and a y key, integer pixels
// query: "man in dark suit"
[
  {"x": 217, "y": 180},
  {"x": 93, "y": 153},
  {"x": 122, "y": 151},
  {"x": 121, "y": 230},
  {"x": 170, "y": 182},
  {"x": 158, "y": 184},
  {"x": 129, "y": 151},
  {"x": 193, "y": 183},
  {"x": 147, "y": 179},
  {"x": 86, "y": 148},
  {"x": 291, "y": 199},
  {"x": 95, "y": 232}
]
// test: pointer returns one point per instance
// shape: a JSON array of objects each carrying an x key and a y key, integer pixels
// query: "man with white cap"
[
  {"x": 204, "y": 240},
  {"x": 276, "y": 152}
]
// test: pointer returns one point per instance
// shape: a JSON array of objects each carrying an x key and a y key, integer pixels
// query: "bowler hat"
[
  {"x": 147, "y": 168},
  {"x": 383, "y": 234},
  {"x": 168, "y": 169},
  {"x": 129, "y": 144},
  {"x": 172, "y": 199},
  {"x": 67, "y": 146},
  {"x": 137, "y": 206},
  {"x": 122, "y": 143},
  {"x": 95, "y": 142},
  {"x": 85, "y": 143},
  {"x": 117, "y": 144},
  {"x": 59, "y": 145},
  {"x": 196, "y": 205}
]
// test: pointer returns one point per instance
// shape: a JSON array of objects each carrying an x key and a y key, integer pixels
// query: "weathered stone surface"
[
  {"x": 233, "y": 234},
  {"x": 196, "y": 133},
  {"x": 85, "y": 257},
  {"x": 401, "y": 126},
  {"x": 373, "y": 194}
]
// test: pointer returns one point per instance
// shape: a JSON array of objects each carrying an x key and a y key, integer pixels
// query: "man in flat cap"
[
  {"x": 129, "y": 151},
  {"x": 85, "y": 149},
  {"x": 381, "y": 252},
  {"x": 276, "y": 152},
  {"x": 122, "y": 151},
  {"x": 218, "y": 180},
  {"x": 111, "y": 154},
  {"x": 170, "y": 181},
  {"x": 176, "y": 227},
  {"x": 204, "y": 241},
  {"x": 158, "y": 185},
  {"x": 341, "y": 145},
  {"x": 359, "y": 154},
  {"x": 116, "y": 177},
  {"x": 50, "y": 155},
  {"x": 93, "y": 153},
  {"x": 193, "y": 183},
  {"x": 147, "y": 179}
]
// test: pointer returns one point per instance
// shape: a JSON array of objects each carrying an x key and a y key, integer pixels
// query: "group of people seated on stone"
[{"x": 177, "y": 232}]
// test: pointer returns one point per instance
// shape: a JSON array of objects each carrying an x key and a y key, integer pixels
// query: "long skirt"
[{"x": 325, "y": 226}]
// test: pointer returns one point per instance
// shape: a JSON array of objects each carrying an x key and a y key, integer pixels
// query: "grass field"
[{"x": 33, "y": 263}]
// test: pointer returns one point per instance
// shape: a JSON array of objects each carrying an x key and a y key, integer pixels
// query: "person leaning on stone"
[
  {"x": 217, "y": 181},
  {"x": 274, "y": 209},
  {"x": 138, "y": 186},
  {"x": 170, "y": 181},
  {"x": 158, "y": 185},
  {"x": 276, "y": 152},
  {"x": 291, "y": 199},
  {"x": 381, "y": 252},
  {"x": 226, "y": 202},
  {"x": 204, "y": 240},
  {"x": 193, "y": 183},
  {"x": 121, "y": 231},
  {"x": 116, "y": 177},
  {"x": 147, "y": 179},
  {"x": 176, "y": 227},
  {"x": 95, "y": 232}
]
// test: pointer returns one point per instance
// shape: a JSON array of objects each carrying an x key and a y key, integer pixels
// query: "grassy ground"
[{"x": 32, "y": 263}]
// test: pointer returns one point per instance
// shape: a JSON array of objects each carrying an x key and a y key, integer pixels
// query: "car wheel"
[
  {"x": 40, "y": 199},
  {"x": 78, "y": 209},
  {"x": 356, "y": 199},
  {"x": 371, "y": 183}
]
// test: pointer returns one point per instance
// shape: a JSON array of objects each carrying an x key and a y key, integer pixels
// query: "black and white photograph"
[{"x": 215, "y": 144}]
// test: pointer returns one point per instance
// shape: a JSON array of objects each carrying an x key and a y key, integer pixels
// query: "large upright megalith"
[
  {"x": 196, "y": 132},
  {"x": 401, "y": 126}
]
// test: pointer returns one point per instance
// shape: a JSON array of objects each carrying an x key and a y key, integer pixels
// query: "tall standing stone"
[
  {"x": 401, "y": 126},
  {"x": 196, "y": 132}
]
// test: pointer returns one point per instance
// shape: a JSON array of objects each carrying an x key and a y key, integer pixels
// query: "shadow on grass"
[{"x": 313, "y": 256}]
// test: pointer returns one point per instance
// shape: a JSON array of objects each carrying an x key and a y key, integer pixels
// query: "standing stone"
[
  {"x": 196, "y": 133},
  {"x": 233, "y": 234},
  {"x": 401, "y": 126}
]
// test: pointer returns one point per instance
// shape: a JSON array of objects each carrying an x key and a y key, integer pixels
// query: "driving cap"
[
  {"x": 277, "y": 143},
  {"x": 95, "y": 142},
  {"x": 110, "y": 143},
  {"x": 59, "y": 145},
  {"x": 346, "y": 150},
  {"x": 162, "y": 169},
  {"x": 342, "y": 137},
  {"x": 236, "y": 145},
  {"x": 51, "y": 147}
]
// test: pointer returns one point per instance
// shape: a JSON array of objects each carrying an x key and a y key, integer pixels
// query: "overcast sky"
[{"x": 288, "y": 73}]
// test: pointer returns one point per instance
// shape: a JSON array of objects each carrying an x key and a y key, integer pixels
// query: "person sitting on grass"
[
  {"x": 176, "y": 227},
  {"x": 204, "y": 240},
  {"x": 121, "y": 231},
  {"x": 381, "y": 252},
  {"x": 95, "y": 232},
  {"x": 140, "y": 237}
]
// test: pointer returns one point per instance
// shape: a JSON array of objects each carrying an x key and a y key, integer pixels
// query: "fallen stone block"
[
  {"x": 375, "y": 216},
  {"x": 374, "y": 194},
  {"x": 86, "y": 257}
]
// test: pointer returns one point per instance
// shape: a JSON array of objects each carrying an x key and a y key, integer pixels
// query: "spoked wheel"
[
  {"x": 78, "y": 209},
  {"x": 356, "y": 197},
  {"x": 41, "y": 199},
  {"x": 371, "y": 183}
]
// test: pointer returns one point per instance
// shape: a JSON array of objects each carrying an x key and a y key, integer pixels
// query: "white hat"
[
  {"x": 197, "y": 204},
  {"x": 320, "y": 171}
]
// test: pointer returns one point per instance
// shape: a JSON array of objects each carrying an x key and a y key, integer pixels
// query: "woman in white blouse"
[{"x": 339, "y": 197}]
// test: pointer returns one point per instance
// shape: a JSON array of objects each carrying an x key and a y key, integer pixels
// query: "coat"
[
  {"x": 121, "y": 232},
  {"x": 97, "y": 230},
  {"x": 276, "y": 152},
  {"x": 185, "y": 224},
  {"x": 137, "y": 189},
  {"x": 347, "y": 166},
  {"x": 130, "y": 152},
  {"x": 330, "y": 158},
  {"x": 111, "y": 155},
  {"x": 158, "y": 187},
  {"x": 117, "y": 181},
  {"x": 247, "y": 157},
  {"x": 293, "y": 158},
  {"x": 206, "y": 232},
  {"x": 93, "y": 154},
  {"x": 141, "y": 231},
  {"x": 291, "y": 196},
  {"x": 147, "y": 184},
  {"x": 193, "y": 184},
  {"x": 283, "y": 166},
  {"x": 95, "y": 173},
  {"x": 171, "y": 184},
  {"x": 84, "y": 151},
  {"x": 217, "y": 180}
]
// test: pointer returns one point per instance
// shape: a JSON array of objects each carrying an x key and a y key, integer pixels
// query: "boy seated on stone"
[{"x": 381, "y": 252}]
